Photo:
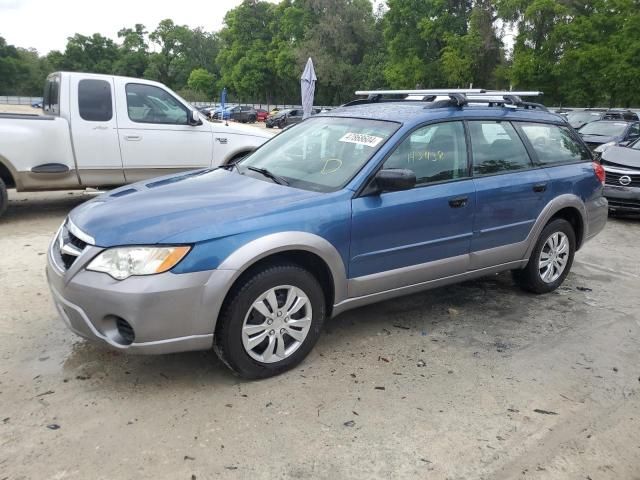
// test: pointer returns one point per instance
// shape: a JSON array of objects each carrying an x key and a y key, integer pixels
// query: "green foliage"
[
  {"x": 201, "y": 81},
  {"x": 579, "y": 53}
]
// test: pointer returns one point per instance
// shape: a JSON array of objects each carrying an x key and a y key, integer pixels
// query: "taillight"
[{"x": 599, "y": 171}]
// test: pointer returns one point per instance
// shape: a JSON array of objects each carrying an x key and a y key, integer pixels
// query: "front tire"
[
  {"x": 551, "y": 259},
  {"x": 4, "y": 198},
  {"x": 270, "y": 322}
]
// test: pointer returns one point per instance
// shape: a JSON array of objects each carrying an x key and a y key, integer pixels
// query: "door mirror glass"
[{"x": 395, "y": 179}]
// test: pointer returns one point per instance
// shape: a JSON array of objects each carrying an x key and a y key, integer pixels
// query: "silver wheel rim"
[
  {"x": 276, "y": 324},
  {"x": 554, "y": 257}
]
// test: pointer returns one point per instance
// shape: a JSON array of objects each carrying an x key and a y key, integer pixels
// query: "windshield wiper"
[{"x": 279, "y": 180}]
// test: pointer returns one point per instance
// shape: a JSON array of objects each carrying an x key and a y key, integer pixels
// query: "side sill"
[{"x": 356, "y": 302}]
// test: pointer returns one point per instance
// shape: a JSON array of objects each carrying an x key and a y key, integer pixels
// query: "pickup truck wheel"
[
  {"x": 270, "y": 322},
  {"x": 551, "y": 259},
  {"x": 4, "y": 198}
]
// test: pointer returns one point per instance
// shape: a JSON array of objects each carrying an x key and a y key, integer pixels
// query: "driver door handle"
[
  {"x": 540, "y": 187},
  {"x": 133, "y": 138},
  {"x": 458, "y": 202}
]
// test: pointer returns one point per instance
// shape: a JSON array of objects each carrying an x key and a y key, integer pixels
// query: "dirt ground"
[
  {"x": 19, "y": 109},
  {"x": 475, "y": 381}
]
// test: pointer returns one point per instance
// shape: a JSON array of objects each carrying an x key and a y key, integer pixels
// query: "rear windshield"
[{"x": 604, "y": 129}]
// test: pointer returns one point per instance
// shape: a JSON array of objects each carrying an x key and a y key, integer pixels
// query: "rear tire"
[
  {"x": 4, "y": 198},
  {"x": 256, "y": 339},
  {"x": 551, "y": 259}
]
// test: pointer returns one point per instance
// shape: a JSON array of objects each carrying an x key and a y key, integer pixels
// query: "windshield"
[
  {"x": 578, "y": 118},
  {"x": 604, "y": 129},
  {"x": 321, "y": 154}
]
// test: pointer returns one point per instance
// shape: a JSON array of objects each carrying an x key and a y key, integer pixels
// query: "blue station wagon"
[{"x": 369, "y": 201}]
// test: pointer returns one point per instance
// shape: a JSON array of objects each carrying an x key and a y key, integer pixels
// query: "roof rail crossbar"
[{"x": 458, "y": 97}]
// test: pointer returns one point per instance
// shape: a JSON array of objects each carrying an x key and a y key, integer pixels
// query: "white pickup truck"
[{"x": 105, "y": 131}]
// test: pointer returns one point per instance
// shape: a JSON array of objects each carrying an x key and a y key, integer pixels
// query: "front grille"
[
  {"x": 66, "y": 248},
  {"x": 613, "y": 178},
  {"x": 626, "y": 204}
]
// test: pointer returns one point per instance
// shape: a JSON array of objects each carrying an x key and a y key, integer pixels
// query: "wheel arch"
[
  {"x": 567, "y": 206},
  {"x": 7, "y": 173},
  {"x": 308, "y": 250}
]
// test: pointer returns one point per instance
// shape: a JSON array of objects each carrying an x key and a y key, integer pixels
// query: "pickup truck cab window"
[
  {"x": 320, "y": 154},
  {"x": 94, "y": 100},
  {"x": 497, "y": 148},
  {"x": 150, "y": 104},
  {"x": 51, "y": 97},
  {"x": 554, "y": 144},
  {"x": 435, "y": 153}
]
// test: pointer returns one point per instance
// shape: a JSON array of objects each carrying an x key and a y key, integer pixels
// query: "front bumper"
[
  {"x": 167, "y": 312},
  {"x": 623, "y": 199}
]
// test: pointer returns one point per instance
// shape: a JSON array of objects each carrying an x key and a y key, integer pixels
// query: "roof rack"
[{"x": 457, "y": 97}]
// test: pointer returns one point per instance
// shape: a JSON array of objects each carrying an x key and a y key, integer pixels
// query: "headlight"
[
  {"x": 123, "y": 262},
  {"x": 604, "y": 146}
]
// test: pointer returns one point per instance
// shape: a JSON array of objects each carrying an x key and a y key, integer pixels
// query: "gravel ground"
[{"x": 475, "y": 381}]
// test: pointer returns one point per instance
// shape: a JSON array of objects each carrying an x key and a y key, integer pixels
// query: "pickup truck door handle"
[
  {"x": 540, "y": 187},
  {"x": 100, "y": 127},
  {"x": 133, "y": 138},
  {"x": 458, "y": 202}
]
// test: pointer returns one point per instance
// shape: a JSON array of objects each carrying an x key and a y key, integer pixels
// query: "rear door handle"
[
  {"x": 540, "y": 187},
  {"x": 458, "y": 202},
  {"x": 133, "y": 138}
]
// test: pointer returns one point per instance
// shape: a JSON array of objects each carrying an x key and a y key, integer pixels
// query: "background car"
[
  {"x": 287, "y": 117},
  {"x": 609, "y": 132},
  {"x": 221, "y": 114},
  {"x": 579, "y": 119},
  {"x": 622, "y": 183},
  {"x": 261, "y": 115},
  {"x": 243, "y": 114}
]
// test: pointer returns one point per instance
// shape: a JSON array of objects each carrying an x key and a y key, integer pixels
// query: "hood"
[
  {"x": 243, "y": 129},
  {"x": 599, "y": 139},
  {"x": 185, "y": 208},
  {"x": 623, "y": 156}
]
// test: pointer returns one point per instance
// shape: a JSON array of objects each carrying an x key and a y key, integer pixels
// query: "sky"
[{"x": 46, "y": 24}]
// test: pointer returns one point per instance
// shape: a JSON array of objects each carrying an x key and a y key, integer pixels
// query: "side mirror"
[
  {"x": 624, "y": 144},
  {"x": 194, "y": 118},
  {"x": 394, "y": 180}
]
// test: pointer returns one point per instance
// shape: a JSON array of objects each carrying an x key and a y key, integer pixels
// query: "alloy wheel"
[
  {"x": 554, "y": 257},
  {"x": 276, "y": 324}
]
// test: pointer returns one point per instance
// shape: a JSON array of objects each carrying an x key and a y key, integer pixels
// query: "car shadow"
[
  {"x": 466, "y": 309},
  {"x": 41, "y": 205}
]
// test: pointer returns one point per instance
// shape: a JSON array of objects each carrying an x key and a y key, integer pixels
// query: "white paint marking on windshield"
[{"x": 361, "y": 139}]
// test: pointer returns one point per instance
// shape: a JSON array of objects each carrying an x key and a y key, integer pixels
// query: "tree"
[
  {"x": 96, "y": 54},
  {"x": 134, "y": 55},
  {"x": 244, "y": 61},
  {"x": 201, "y": 81},
  {"x": 415, "y": 34}
]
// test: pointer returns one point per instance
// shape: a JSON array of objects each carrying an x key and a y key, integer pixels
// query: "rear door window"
[
  {"x": 554, "y": 144},
  {"x": 94, "y": 100},
  {"x": 496, "y": 148}
]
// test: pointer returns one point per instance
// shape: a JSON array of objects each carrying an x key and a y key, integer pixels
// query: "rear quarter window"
[
  {"x": 51, "y": 97},
  {"x": 554, "y": 144},
  {"x": 94, "y": 100}
]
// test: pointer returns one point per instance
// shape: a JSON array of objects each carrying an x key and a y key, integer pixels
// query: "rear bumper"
[
  {"x": 623, "y": 198},
  {"x": 167, "y": 312},
  {"x": 597, "y": 214}
]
